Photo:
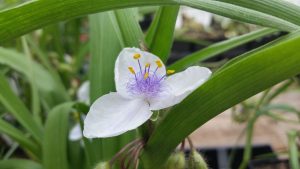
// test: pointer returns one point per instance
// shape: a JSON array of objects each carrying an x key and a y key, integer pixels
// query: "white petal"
[
  {"x": 112, "y": 115},
  {"x": 179, "y": 86},
  {"x": 83, "y": 93},
  {"x": 125, "y": 60},
  {"x": 75, "y": 133}
]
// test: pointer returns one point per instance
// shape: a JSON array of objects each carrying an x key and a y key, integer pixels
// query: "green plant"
[{"x": 48, "y": 77}]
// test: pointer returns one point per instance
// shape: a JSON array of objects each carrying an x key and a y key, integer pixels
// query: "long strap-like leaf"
[
  {"x": 19, "y": 164},
  {"x": 159, "y": 37},
  {"x": 218, "y": 48},
  {"x": 17, "y": 108},
  {"x": 56, "y": 135},
  {"x": 240, "y": 80},
  {"x": 36, "y": 14}
]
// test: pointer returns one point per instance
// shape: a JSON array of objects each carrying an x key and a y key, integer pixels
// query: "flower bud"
[
  {"x": 176, "y": 161},
  {"x": 196, "y": 161},
  {"x": 102, "y": 165}
]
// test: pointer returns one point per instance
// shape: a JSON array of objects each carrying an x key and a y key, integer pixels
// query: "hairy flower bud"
[
  {"x": 196, "y": 161},
  {"x": 176, "y": 161},
  {"x": 102, "y": 165}
]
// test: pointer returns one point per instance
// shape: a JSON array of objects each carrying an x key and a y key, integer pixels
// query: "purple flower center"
[{"x": 145, "y": 83}]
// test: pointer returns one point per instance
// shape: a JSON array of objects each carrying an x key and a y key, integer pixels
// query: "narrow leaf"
[
  {"x": 52, "y": 89},
  {"x": 218, "y": 48},
  {"x": 159, "y": 37},
  {"x": 237, "y": 82},
  {"x": 279, "y": 8},
  {"x": 56, "y": 135},
  {"x": 42, "y": 13},
  {"x": 293, "y": 150},
  {"x": 110, "y": 32},
  {"x": 16, "y": 107},
  {"x": 19, "y": 137},
  {"x": 19, "y": 164}
]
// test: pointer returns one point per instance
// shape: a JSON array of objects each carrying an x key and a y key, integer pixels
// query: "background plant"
[{"x": 48, "y": 65}]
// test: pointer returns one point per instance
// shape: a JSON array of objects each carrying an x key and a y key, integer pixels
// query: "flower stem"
[{"x": 146, "y": 130}]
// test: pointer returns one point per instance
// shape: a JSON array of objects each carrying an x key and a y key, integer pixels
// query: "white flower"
[
  {"x": 75, "y": 133},
  {"x": 142, "y": 86},
  {"x": 83, "y": 93}
]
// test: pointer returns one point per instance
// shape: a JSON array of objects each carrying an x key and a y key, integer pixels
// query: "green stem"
[
  {"x": 250, "y": 129},
  {"x": 248, "y": 148},
  {"x": 293, "y": 150},
  {"x": 146, "y": 129},
  {"x": 282, "y": 88},
  {"x": 35, "y": 102}
]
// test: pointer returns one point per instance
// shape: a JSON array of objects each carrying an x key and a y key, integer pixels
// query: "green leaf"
[
  {"x": 42, "y": 13},
  {"x": 279, "y": 8},
  {"x": 19, "y": 137},
  {"x": 233, "y": 84},
  {"x": 241, "y": 14},
  {"x": 159, "y": 37},
  {"x": 280, "y": 107},
  {"x": 16, "y": 107},
  {"x": 56, "y": 136},
  {"x": 127, "y": 27},
  {"x": 219, "y": 48},
  {"x": 278, "y": 91},
  {"x": 293, "y": 149},
  {"x": 42, "y": 56},
  {"x": 52, "y": 90},
  {"x": 110, "y": 32},
  {"x": 104, "y": 49},
  {"x": 19, "y": 164}
]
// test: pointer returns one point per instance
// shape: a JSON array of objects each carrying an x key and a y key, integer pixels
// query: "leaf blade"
[
  {"x": 16, "y": 107},
  {"x": 19, "y": 164},
  {"x": 218, "y": 48},
  {"x": 159, "y": 37},
  {"x": 42, "y": 13},
  {"x": 55, "y": 139},
  {"x": 248, "y": 76}
]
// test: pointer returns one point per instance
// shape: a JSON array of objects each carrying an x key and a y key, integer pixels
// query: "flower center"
[{"x": 146, "y": 83}]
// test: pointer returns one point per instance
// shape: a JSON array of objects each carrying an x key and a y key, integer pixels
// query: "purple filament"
[{"x": 148, "y": 87}]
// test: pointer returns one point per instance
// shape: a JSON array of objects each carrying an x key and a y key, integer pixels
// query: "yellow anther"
[
  {"x": 170, "y": 72},
  {"x": 136, "y": 56},
  {"x": 131, "y": 70},
  {"x": 159, "y": 64},
  {"x": 146, "y": 75},
  {"x": 147, "y": 65}
]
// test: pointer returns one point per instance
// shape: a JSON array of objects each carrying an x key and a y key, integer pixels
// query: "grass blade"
[
  {"x": 42, "y": 13},
  {"x": 237, "y": 82},
  {"x": 117, "y": 29},
  {"x": 218, "y": 48},
  {"x": 19, "y": 137},
  {"x": 293, "y": 150},
  {"x": 279, "y": 8},
  {"x": 50, "y": 87},
  {"x": 19, "y": 164},
  {"x": 56, "y": 135},
  {"x": 159, "y": 37},
  {"x": 15, "y": 106},
  {"x": 241, "y": 14}
]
